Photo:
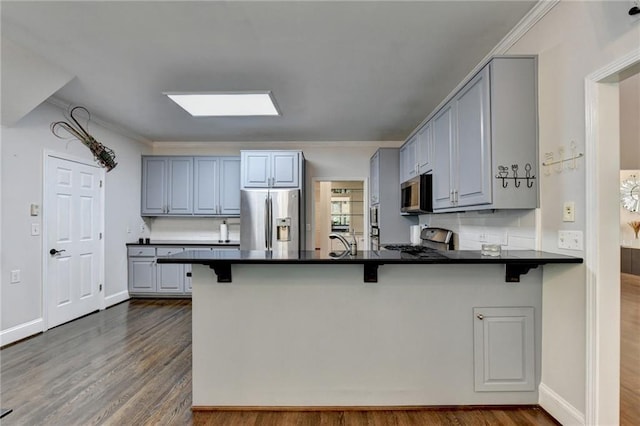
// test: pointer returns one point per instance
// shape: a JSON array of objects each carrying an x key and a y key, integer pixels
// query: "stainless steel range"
[{"x": 434, "y": 240}]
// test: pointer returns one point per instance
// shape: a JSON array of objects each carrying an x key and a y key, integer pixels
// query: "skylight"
[{"x": 226, "y": 104}]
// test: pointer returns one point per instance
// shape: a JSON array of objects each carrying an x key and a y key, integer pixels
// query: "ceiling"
[{"x": 339, "y": 71}]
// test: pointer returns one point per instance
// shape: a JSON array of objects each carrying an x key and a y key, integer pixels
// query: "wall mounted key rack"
[{"x": 503, "y": 174}]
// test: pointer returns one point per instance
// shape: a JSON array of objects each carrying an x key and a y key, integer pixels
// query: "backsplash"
[
  {"x": 190, "y": 228},
  {"x": 513, "y": 229}
]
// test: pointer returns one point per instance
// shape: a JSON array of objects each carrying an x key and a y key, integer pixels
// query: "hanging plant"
[{"x": 103, "y": 155}]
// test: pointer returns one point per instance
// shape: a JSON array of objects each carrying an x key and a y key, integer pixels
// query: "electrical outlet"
[
  {"x": 569, "y": 211},
  {"x": 141, "y": 228},
  {"x": 15, "y": 276},
  {"x": 35, "y": 229},
  {"x": 570, "y": 240}
]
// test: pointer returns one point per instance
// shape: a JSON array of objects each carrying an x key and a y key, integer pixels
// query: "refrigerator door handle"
[
  {"x": 270, "y": 222},
  {"x": 266, "y": 222}
]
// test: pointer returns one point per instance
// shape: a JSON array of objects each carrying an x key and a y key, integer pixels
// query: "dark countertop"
[
  {"x": 188, "y": 243},
  {"x": 517, "y": 261}
]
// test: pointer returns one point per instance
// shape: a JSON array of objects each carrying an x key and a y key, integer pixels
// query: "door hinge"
[
  {"x": 100, "y": 236},
  {"x": 100, "y": 287},
  {"x": 100, "y": 184}
]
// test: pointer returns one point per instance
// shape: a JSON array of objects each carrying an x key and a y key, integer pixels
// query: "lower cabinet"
[
  {"x": 630, "y": 260},
  {"x": 170, "y": 277},
  {"x": 150, "y": 279},
  {"x": 504, "y": 350}
]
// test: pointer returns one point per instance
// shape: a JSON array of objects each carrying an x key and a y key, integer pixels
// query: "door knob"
[
  {"x": 53, "y": 252},
  {"x": 480, "y": 317}
]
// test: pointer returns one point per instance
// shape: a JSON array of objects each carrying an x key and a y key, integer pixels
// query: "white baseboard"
[
  {"x": 114, "y": 299},
  {"x": 21, "y": 331},
  {"x": 558, "y": 407}
]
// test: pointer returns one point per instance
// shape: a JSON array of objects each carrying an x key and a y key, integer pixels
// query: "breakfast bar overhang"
[{"x": 306, "y": 331}]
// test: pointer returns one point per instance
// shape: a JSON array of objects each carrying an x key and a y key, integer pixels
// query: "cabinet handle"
[{"x": 480, "y": 317}]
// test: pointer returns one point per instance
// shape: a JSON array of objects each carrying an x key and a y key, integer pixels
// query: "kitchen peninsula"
[{"x": 304, "y": 329}]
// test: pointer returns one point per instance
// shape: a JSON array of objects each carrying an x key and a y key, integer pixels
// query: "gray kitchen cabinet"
[
  {"x": 385, "y": 176},
  {"x": 180, "y": 188},
  {"x": 186, "y": 186},
  {"x": 272, "y": 169},
  {"x": 216, "y": 186},
  {"x": 424, "y": 148},
  {"x": 149, "y": 279},
  {"x": 154, "y": 186},
  {"x": 142, "y": 270},
  {"x": 170, "y": 277},
  {"x": 504, "y": 352},
  {"x": 408, "y": 160},
  {"x": 485, "y": 140},
  {"x": 416, "y": 155},
  {"x": 374, "y": 177},
  {"x": 443, "y": 137},
  {"x": 230, "y": 186}
]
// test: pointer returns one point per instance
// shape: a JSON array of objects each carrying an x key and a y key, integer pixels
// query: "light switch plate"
[
  {"x": 15, "y": 276},
  {"x": 570, "y": 240},
  {"x": 35, "y": 229}
]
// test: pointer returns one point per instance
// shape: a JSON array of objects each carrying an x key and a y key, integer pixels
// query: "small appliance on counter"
[{"x": 224, "y": 232}]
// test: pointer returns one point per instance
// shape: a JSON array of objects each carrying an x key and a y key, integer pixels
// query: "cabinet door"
[
  {"x": 170, "y": 275},
  {"x": 473, "y": 132},
  {"x": 424, "y": 148},
  {"x": 625, "y": 260},
  {"x": 635, "y": 261},
  {"x": 374, "y": 187},
  {"x": 284, "y": 170},
  {"x": 443, "y": 147},
  {"x": 142, "y": 275},
  {"x": 408, "y": 160},
  {"x": 206, "y": 182},
  {"x": 256, "y": 167},
  {"x": 504, "y": 353},
  {"x": 154, "y": 186},
  {"x": 180, "y": 194},
  {"x": 229, "y": 186}
]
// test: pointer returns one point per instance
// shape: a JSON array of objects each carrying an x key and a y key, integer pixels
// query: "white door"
[{"x": 73, "y": 220}]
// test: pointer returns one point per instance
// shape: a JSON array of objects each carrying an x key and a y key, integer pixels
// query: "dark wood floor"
[
  {"x": 630, "y": 350},
  {"x": 131, "y": 365}
]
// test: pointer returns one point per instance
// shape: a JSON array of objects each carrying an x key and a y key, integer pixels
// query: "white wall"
[
  {"x": 573, "y": 40},
  {"x": 23, "y": 147}
]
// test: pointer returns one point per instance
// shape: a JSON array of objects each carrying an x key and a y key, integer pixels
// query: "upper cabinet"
[
  {"x": 272, "y": 169},
  {"x": 178, "y": 185},
  {"x": 416, "y": 155},
  {"x": 485, "y": 140},
  {"x": 216, "y": 186}
]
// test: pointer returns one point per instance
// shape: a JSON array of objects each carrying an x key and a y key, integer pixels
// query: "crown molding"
[{"x": 276, "y": 144}]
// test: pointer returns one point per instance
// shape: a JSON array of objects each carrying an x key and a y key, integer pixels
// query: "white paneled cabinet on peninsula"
[
  {"x": 272, "y": 169},
  {"x": 185, "y": 186},
  {"x": 483, "y": 143}
]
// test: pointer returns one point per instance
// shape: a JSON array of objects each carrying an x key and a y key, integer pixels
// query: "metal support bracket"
[
  {"x": 223, "y": 271},
  {"x": 371, "y": 272},
  {"x": 513, "y": 271}
]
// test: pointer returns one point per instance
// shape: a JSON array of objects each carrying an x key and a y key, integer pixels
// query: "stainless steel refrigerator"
[{"x": 271, "y": 220}]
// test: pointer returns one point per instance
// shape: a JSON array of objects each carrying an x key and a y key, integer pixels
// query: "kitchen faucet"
[{"x": 348, "y": 248}]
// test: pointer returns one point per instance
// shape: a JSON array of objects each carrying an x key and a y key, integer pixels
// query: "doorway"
[
  {"x": 602, "y": 159},
  {"x": 630, "y": 249},
  {"x": 73, "y": 248},
  {"x": 339, "y": 207}
]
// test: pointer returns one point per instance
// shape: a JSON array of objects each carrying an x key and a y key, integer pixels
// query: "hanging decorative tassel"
[{"x": 103, "y": 155}]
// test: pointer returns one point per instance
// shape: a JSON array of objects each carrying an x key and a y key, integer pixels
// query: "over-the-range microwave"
[{"x": 416, "y": 195}]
